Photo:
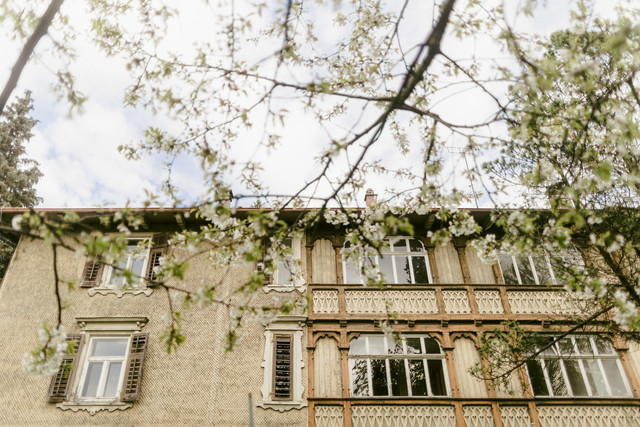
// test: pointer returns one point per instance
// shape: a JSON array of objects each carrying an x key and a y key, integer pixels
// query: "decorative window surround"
[
  {"x": 282, "y": 280},
  {"x": 99, "y": 328},
  {"x": 100, "y": 276},
  {"x": 287, "y": 326}
]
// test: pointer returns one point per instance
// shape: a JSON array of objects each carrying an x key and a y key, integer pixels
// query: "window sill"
[
  {"x": 282, "y": 406},
  {"x": 119, "y": 292},
  {"x": 92, "y": 408}
]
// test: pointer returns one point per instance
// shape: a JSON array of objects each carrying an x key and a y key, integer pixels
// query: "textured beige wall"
[{"x": 200, "y": 384}]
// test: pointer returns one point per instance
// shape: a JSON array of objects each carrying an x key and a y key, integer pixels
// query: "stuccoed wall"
[{"x": 198, "y": 385}]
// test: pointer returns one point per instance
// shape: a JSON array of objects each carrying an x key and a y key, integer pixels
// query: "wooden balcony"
[{"x": 453, "y": 303}]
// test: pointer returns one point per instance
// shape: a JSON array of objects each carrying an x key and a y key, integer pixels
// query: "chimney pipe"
[{"x": 370, "y": 197}]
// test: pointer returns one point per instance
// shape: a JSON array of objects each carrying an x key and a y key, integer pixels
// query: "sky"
[{"x": 78, "y": 153}]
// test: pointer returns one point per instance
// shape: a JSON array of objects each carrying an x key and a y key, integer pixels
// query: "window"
[
  {"x": 380, "y": 366},
  {"x": 137, "y": 262},
  {"x": 526, "y": 270},
  {"x": 539, "y": 269},
  {"x": 288, "y": 268},
  {"x": 104, "y": 371},
  {"x": 578, "y": 366},
  {"x": 282, "y": 388},
  {"x": 405, "y": 260}
]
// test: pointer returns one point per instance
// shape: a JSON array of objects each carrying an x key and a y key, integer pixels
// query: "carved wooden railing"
[
  {"x": 473, "y": 413},
  {"x": 475, "y": 302}
]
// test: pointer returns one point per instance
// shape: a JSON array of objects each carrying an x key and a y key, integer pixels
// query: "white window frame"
[
  {"x": 101, "y": 327},
  {"x": 515, "y": 262},
  {"x": 554, "y": 353},
  {"x": 284, "y": 264},
  {"x": 406, "y": 357},
  {"x": 137, "y": 286},
  {"x": 391, "y": 252},
  {"x": 105, "y": 368},
  {"x": 283, "y": 325}
]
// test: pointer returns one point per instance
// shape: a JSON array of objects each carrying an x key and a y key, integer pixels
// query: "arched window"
[
  {"x": 414, "y": 366},
  {"x": 403, "y": 261}
]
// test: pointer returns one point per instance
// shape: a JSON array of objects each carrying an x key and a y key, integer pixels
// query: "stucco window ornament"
[
  {"x": 141, "y": 259},
  {"x": 104, "y": 370},
  {"x": 282, "y": 387}
]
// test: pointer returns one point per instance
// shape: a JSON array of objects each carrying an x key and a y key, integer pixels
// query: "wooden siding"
[
  {"x": 323, "y": 259},
  {"x": 481, "y": 273},
  {"x": 449, "y": 270},
  {"x": 326, "y": 373},
  {"x": 465, "y": 356}
]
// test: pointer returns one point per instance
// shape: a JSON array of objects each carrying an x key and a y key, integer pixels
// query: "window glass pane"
[
  {"x": 612, "y": 372},
  {"x": 136, "y": 268},
  {"x": 394, "y": 347},
  {"x": 376, "y": 345},
  {"x": 386, "y": 268},
  {"x": 420, "y": 269},
  {"x": 359, "y": 377},
  {"x": 113, "y": 374},
  {"x": 538, "y": 384},
  {"x": 398, "y": 377},
  {"x": 284, "y": 271},
  {"x": 542, "y": 269},
  {"x": 400, "y": 245},
  {"x": 92, "y": 379},
  {"x": 379, "y": 377},
  {"x": 508, "y": 270},
  {"x": 351, "y": 271},
  {"x": 566, "y": 347},
  {"x": 526, "y": 272},
  {"x": 555, "y": 376},
  {"x": 436, "y": 377},
  {"x": 402, "y": 269},
  {"x": 358, "y": 346},
  {"x": 416, "y": 245},
  {"x": 603, "y": 346},
  {"x": 418, "y": 380},
  {"x": 109, "y": 347},
  {"x": 413, "y": 346},
  {"x": 594, "y": 376},
  {"x": 431, "y": 346},
  {"x": 574, "y": 373},
  {"x": 584, "y": 345}
]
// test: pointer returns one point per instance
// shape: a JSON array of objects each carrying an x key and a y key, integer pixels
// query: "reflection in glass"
[
  {"x": 376, "y": 345},
  {"x": 555, "y": 376},
  {"x": 542, "y": 269},
  {"x": 398, "y": 377},
  {"x": 413, "y": 346},
  {"x": 594, "y": 376},
  {"x": 379, "y": 377},
  {"x": 508, "y": 270},
  {"x": 402, "y": 269},
  {"x": 431, "y": 346},
  {"x": 436, "y": 378},
  {"x": 360, "y": 378},
  {"x": 536, "y": 376},
  {"x": 418, "y": 379},
  {"x": 578, "y": 387},
  {"x": 526, "y": 272},
  {"x": 420, "y": 269},
  {"x": 612, "y": 372},
  {"x": 386, "y": 268}
]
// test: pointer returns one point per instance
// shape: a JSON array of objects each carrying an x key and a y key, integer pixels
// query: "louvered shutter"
[
  {"x": 91, "y": 273},
  {"x": 282, "y": 369},
  {"x": 133, "y": 375},
  {"x": 60, "y": 382},
  {"x": 157, "y": 250}
]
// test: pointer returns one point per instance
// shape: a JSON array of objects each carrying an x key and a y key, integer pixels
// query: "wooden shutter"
[
  {"x": 133, "y": 375},
  {"x": 157, "y": 250},
  {"x": 61, "y": 381},
  {"x": 283, "y": 367},
  {"x": 91, "y": 273}
]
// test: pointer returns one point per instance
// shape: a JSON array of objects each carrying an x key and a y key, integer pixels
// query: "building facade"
[{"x": 329, "y": 366}]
